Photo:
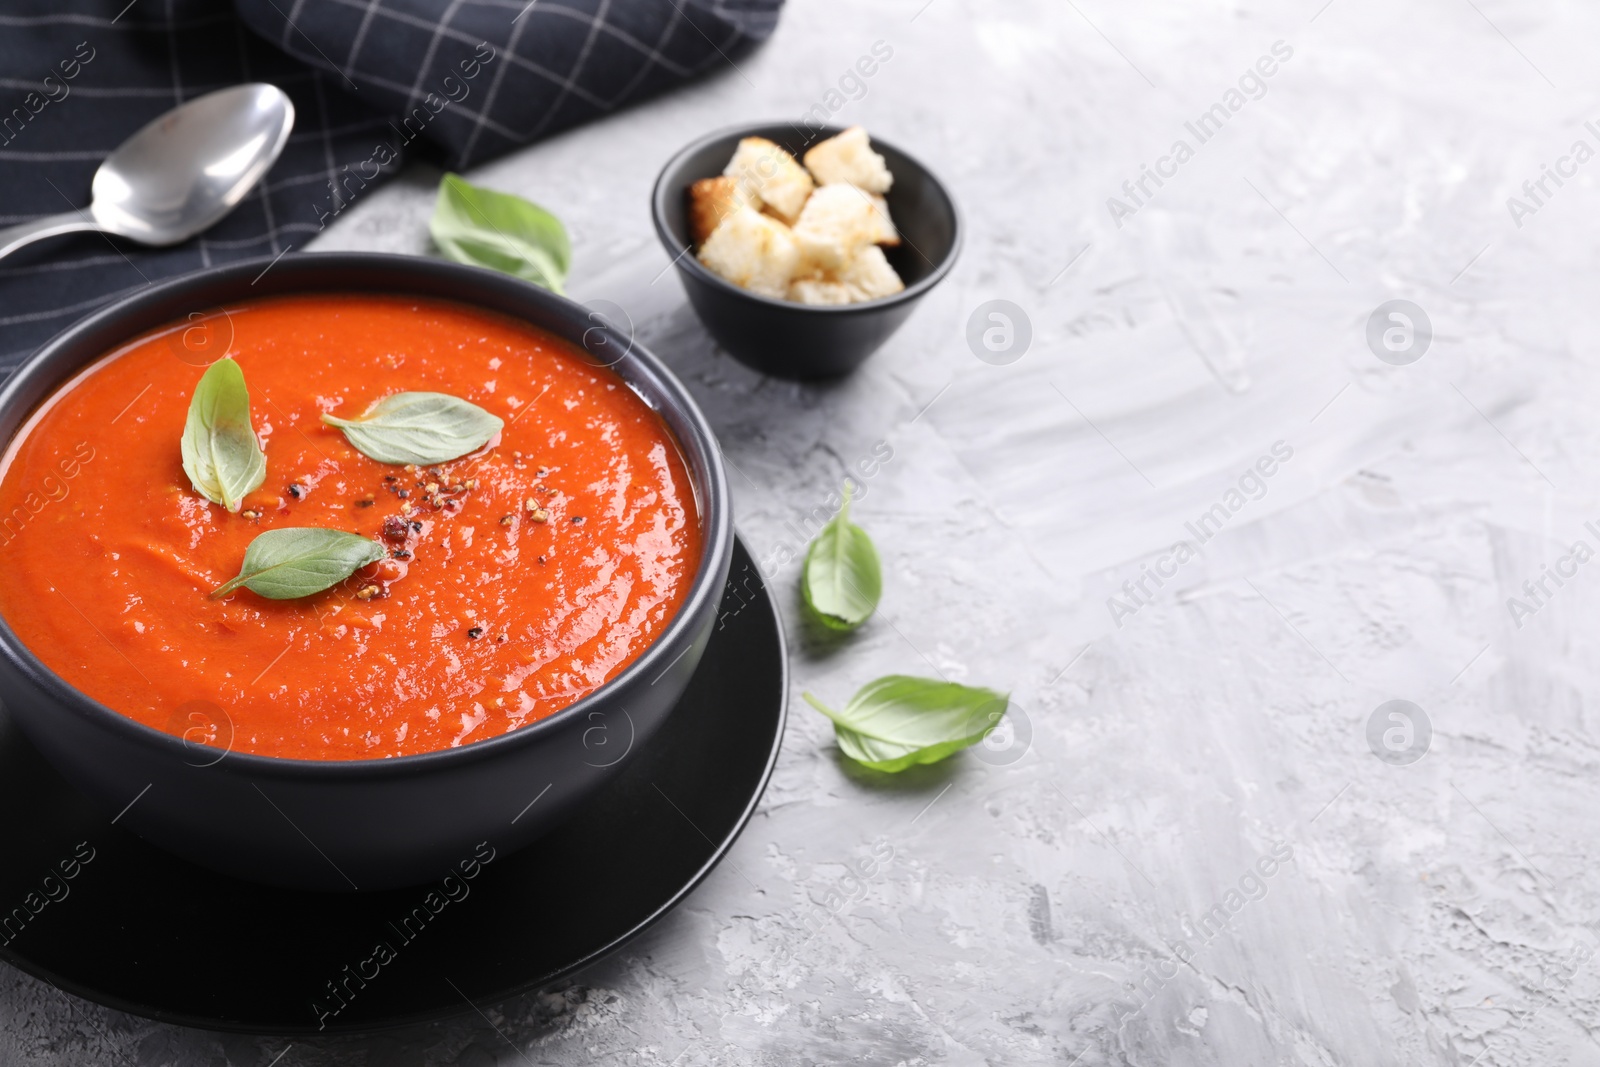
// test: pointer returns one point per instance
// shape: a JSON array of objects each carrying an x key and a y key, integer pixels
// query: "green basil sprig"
[
  {"x": 500, "y": 231},
  {"x": 420, "y": 428},
  {"x": 842, "y": 579},
  {"x": 221, "y": 455},
  {"x": 900, "y": 721},
  {"x": 296, "y": 561}
]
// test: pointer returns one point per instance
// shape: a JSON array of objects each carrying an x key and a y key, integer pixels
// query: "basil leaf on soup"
[
  {"x": 296, "y": 561},
  {"x": 500, "y": 231},
  {"x": 221, "y": 455},
  {"x": 420, "y": 428},
  {"x": 842, "y": 579},
  {"x": 900, "y": 721}
]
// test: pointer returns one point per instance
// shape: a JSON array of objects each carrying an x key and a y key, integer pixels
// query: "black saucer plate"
[{"x": 142, "y": 931}]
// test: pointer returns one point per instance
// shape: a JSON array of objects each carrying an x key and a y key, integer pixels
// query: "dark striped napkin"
[{"x": 373, "y": 82}]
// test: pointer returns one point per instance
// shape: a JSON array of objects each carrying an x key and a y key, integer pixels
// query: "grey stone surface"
[{"x": 1116, "y": 896}]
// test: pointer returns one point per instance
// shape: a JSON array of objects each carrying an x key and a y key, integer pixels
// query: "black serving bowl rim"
[
  {"x": 686, "y": 260},
  {"x": 715, "y": 514}
]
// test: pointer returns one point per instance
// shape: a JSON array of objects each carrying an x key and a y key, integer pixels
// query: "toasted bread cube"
[
  {"x": 884, "y": 232},
  {"x": 848, "y": 157},
  {"x": 868, "y": 276},
  {"x": 818, "y": 254},
  {"x": 769, "y": 175},
  {"x": 710, "y": 201},
  {"x": 820, "y": 291},
  {"x": 754, "y": 251},
  {"x": 837, "y": 220}
]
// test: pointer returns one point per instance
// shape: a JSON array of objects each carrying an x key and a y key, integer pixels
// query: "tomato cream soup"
[{"x": 513, "y": 580}]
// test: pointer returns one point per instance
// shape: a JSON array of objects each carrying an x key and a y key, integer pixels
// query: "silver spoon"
[{"x": 181, "y": 173}]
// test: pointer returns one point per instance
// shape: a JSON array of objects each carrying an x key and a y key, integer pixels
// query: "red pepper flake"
[{"x": 395, "y": 528}]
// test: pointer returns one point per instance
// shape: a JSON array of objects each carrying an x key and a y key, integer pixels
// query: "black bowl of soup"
[{"x": 532, "y": 611}]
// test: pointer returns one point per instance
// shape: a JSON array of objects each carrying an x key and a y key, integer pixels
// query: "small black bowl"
[
  {"x": 781, "y": 337},
  {"x": 366, "y": 824}
]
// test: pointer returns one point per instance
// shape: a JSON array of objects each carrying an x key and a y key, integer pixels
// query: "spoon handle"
[{"x": 26, "y": 233}]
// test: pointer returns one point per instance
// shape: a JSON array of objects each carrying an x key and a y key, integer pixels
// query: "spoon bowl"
[
  {"x": 187, "y": 169},
  {"x": 181, "y": 173}
]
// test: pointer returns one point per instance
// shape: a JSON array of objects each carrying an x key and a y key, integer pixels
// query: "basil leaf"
[
  {"x": 842, "y": 580},
  {"x": 420, "y": 428},
  {"x": 221, "y": 455},
  {"x": 296, "y": 561},
  {"x": 503, "y": 232},
  {"x": 899, "y": 721}
]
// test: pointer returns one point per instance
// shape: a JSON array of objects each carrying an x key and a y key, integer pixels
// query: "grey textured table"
[{"x": 1198, "y": 857}]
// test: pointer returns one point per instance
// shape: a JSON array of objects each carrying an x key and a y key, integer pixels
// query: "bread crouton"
[
  {"x": 817, "y": 291},
  {"x": 753, "y": 250},
  {"x": 710, "y": 201},
  {"x": 883, "y": 232},
  {"x": 837, "y": 220},
  {"x": 868, "y": 275},
  {"x": 848, "y": 157},
  {"x": 769, "y": 175}
]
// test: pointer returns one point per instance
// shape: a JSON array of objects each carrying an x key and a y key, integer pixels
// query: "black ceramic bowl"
[
  {"x": 787, "y": 339},
  {"x": 365, "y": 824}
]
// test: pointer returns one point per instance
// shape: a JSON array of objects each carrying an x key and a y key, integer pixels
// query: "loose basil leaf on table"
[
  {"x": 842, "y": 579},
  {"x": 419, "y": 428},
  {"x": 221, "y": 455},
  {"x": 485, "y": 228},
  {"x": 296, "y": 561},
  {"x": 900, "y": 721}
]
